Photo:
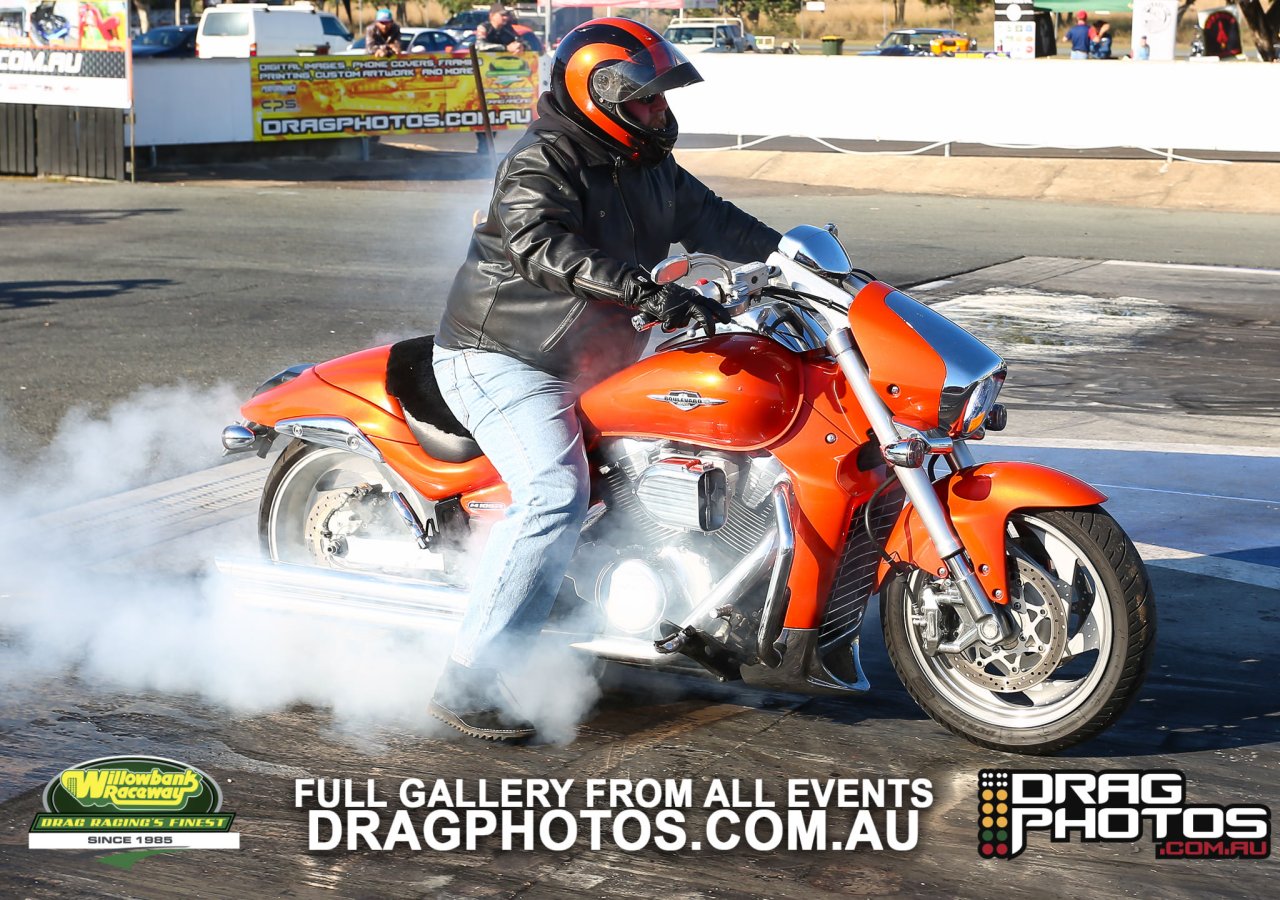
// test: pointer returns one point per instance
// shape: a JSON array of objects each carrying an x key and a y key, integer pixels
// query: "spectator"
[
  {"x": 495, "y": 37},
  {"x": 1101, "y": 47},
  {"x": 1144, "y": 49},
  {"x": 1078, "y": 36},
  {"x": 498, "y": 35},
  {"x": 382, "y": 38}
]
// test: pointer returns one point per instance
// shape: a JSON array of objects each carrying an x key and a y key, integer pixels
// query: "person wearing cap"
[
  {"x": 498, "y": 35},
  {"x": 1078, "y": 36},
  {"x": 382, "y": 38}
]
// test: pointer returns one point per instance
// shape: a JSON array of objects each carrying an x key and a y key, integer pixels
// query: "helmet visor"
[{"x": 659, "y": 67}]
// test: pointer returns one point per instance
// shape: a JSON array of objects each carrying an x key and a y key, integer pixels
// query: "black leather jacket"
[{"x": 568, "y": 221}]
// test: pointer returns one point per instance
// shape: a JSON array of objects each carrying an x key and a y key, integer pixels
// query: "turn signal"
[
  {"x": 908, "y": 454},
  {"x": 997, "y": 418},
  {"x": 238, "y": 437}
]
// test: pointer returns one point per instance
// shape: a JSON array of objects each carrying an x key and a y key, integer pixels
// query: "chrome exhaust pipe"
[{"x": 374, "y": 598}]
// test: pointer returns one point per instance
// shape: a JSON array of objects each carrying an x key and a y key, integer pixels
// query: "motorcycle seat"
[{"x": 412, "y": 382}]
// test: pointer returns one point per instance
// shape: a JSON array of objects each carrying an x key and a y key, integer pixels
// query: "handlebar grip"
[{"x": 643, "y": 322}]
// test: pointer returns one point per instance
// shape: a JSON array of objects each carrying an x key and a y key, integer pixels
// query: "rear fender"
[
  {"x": 978, "y": 501},
  {"x": 311, "y": 395}
]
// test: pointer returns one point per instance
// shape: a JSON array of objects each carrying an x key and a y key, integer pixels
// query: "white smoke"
[{"x": 133, "y": 625}]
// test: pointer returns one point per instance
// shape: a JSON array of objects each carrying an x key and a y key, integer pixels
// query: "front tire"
[{"x": 1080, "y": 595}]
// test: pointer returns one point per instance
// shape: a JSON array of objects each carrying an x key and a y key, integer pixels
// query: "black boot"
[{"x": 477, "y": 703}]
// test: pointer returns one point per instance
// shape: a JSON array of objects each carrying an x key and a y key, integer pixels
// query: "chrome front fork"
[{"x": 983, "y": 625}]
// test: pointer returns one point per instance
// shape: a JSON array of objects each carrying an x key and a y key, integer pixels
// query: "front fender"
[{"x": 978, "y": 500}]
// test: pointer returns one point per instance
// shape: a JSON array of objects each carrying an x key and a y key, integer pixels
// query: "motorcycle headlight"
[{"x": 979, "y": 404}]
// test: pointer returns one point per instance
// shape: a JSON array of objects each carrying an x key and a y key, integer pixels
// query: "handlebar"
[{"x": 738, "y": 285}]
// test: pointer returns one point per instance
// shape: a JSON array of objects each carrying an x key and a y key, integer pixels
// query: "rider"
[{"x": 586, "y": 201}]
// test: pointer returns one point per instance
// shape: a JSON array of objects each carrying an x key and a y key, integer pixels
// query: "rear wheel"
[
  {"x": 1085, "y": 616},
  {"x": 323, "y": 506}
]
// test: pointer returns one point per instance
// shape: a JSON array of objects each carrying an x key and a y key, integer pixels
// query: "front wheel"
[{"x": 1085, "y": 616}]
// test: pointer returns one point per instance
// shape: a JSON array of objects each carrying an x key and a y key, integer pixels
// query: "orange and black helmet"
[{"x": 603, "y": 63}]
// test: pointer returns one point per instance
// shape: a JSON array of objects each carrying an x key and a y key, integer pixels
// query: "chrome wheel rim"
[
  {"x": 308, "y": 490},
  {"x": 982, "y": 683}
]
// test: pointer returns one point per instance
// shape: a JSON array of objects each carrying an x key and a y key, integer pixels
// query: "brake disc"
[
  {"x": 329, "y": 521},
  {"x": 1035, "y": 651}
]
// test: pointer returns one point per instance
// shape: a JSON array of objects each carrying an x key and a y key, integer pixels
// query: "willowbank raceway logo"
[
  {"x": 1114, "y": 807},
  {"x": 133, "y": 803}
]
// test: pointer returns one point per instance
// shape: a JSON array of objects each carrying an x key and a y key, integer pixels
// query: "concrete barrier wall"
[{"x": 1054, "y": 103}]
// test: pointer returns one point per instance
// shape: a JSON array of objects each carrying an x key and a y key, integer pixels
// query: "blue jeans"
[{"x": 525, "y": 422}]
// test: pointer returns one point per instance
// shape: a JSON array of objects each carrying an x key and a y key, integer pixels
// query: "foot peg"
[{"x": 695, "y": 645}]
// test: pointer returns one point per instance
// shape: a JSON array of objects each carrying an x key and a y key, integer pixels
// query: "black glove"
[{"x": 671, "y": 304}]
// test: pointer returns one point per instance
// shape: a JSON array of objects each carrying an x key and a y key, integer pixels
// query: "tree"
[
  {"x": 453, "y": 7},
  {"x": 965, "y": 10},
  {"x": 751, "y": 10}
]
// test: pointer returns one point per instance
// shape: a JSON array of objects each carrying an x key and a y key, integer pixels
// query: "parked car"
[
  {"x": 466, "y": 22},
  {"x": 167, "y": 41},
  {"x": 725, "y": 34},
  {"x": 923, "y": 42},
  {"x": 414, "y": 40},
  {"x": 241, "y": 30}
]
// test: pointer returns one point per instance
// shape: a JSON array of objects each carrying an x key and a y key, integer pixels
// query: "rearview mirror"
[{"x": 671, "y": 269}]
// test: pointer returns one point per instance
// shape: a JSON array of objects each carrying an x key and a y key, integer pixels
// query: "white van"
[
  {"x": 695, "y": 35},
  {"x": 258, "y": 29}
]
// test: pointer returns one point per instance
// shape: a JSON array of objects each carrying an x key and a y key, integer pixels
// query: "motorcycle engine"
[{"x": 676, "y": 519}]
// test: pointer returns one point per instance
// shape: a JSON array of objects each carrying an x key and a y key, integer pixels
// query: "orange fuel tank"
[{"x": 737, "y": 391}]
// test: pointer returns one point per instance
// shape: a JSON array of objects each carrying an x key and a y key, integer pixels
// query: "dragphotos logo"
[{"x": 1114, "y": 807}]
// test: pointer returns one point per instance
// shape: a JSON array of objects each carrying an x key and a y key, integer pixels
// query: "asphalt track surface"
[{"x": 1143, "y": 357}]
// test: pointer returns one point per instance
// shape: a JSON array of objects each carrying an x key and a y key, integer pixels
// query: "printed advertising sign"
[
  {"x": 305, "y": 98},
  {"x": 1015, "y": 31},
  {"x": 1157, "y": 21},
  {"x": 65, "y": 53}
]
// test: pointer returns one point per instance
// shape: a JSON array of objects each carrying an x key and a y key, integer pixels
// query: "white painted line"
[
  {"x": 1151, "y": 490},
  {"x": 1211, "y": 566},
  {"x": 931, "y": 285},
  {"x": 1190, "y": 267},
  {"x": 1225, "y": 449}
]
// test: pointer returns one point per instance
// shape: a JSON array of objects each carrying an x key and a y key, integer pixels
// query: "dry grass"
[{"x": 862, "y": 20}]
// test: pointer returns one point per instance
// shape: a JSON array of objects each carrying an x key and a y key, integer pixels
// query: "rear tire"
[
  {"x": 1082, "y": 596},
  {"x": 297, "y": 488}
]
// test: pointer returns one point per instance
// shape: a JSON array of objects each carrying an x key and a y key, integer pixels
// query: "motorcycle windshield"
[{"x": 924, "y": 365}]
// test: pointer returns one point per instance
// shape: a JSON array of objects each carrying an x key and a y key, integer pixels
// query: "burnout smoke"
[{"x": 152, "y": 615}]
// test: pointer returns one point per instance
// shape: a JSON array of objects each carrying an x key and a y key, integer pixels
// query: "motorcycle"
[
  {"x": 47, "y": 26},
  {"x": 752, "y": 493}
]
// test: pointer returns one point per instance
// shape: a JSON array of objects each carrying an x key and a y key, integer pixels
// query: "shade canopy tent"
[
  {"x": 632, "y": 4},
  {"x": 1092, "y": 7},
  {"x": 547, "y": 7}
]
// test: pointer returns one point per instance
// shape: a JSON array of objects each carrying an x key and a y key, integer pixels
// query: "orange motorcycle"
[{"x": 753, "y": 491}]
